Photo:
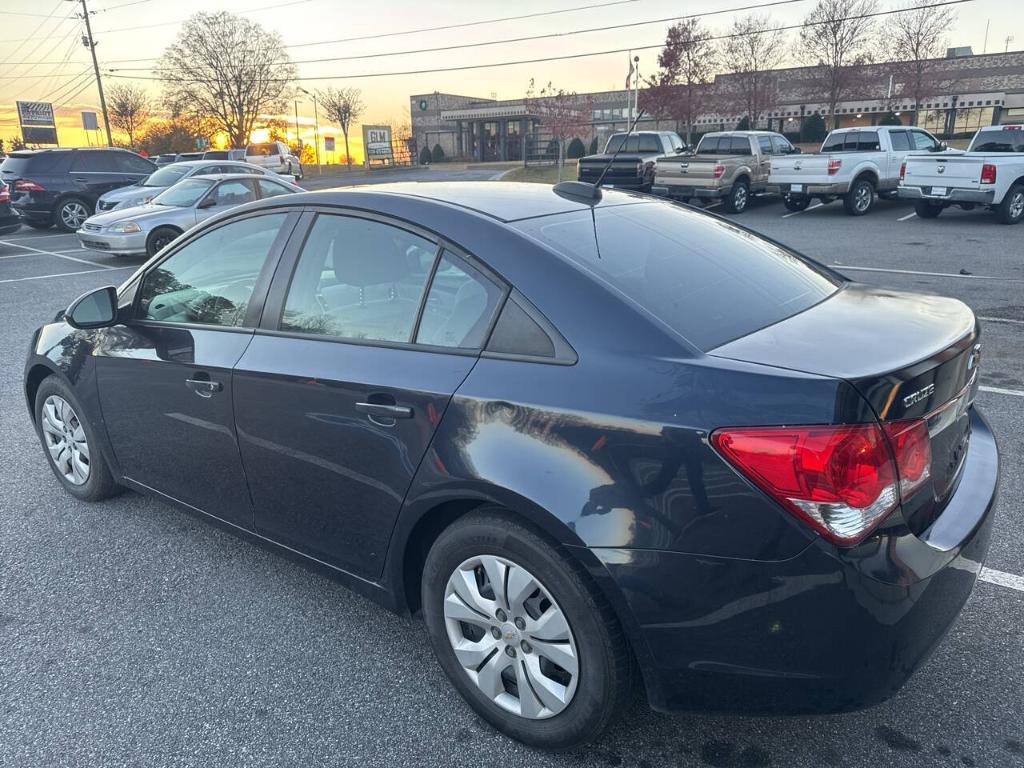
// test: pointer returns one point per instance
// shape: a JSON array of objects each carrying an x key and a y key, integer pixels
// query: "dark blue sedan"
[{"x": 594, "y": 439}]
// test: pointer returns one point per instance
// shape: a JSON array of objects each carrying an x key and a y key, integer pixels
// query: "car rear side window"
[
  {"x": 460, "y": 306},
  {"x": 705, "y": 279},
  {"x": 900, "y": 141},
  {"x": 358, "y": 279},
  {"x": 867, "y": 141},
  {"x": 740, "y": 145},
  {"x": 94, "y": 161}
]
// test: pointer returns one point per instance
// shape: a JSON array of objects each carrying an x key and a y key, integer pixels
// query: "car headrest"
[{"x": 369, "y": 255}]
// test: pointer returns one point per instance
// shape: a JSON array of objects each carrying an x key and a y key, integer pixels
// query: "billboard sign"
[
  {"x": 377, "y": 144},
  {"x": 89, "y": 122},
  {"x": 38, "y": 135},
  {"x": 35, "y": 113},
  {"x": 328, "y": 143}
]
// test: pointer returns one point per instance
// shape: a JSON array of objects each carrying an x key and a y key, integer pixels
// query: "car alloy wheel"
[
  {"x": 511, "y": 637},
  {"x": 65, "y": 440},
  {"x": 739, "y": 200},
  {"x": 161, "y": 241},
  {"x": 862, "y": 197},
  {"x": 73, "y": 214},
  {"x": 1017, "y": 205}
]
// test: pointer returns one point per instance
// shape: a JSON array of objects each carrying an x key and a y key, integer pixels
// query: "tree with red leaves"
[{"x": 564, "y": 114}]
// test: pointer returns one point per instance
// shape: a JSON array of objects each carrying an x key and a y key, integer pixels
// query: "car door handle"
[
  {"x": 383, "y": 411},
  {"x": 204, "y": 387}
]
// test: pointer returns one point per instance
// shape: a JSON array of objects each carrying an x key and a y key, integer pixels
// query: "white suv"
[{"x": 274, "y": 156}]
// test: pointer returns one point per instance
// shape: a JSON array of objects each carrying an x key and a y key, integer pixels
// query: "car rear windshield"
[
  {"x": 261, "y": 149},
  {"x": 707, "y": 280},
  {"x": 216, "y": 154},
  {"x": 165, "y": 177},
  {"x": 852, "y": 141},
  {"x": 21, "y": 163},
  {"x": 1000, "y": 140},
  {"x": 643, "y": 142},
  {"x": 184, "y": 194}
]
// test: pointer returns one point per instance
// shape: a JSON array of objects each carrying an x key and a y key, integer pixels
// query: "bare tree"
[
  {"x": 343, "y": 106},
  {"x": 564, "y": 113},
  {"x": 837, "y": 37},
  {"x": 228, "y": 68},
  {"x": 752, "y": 50},
  {"x": 917, "y": 36},
  {"x": 129, "y": 108},
  {"x": 686, "y": 64}
]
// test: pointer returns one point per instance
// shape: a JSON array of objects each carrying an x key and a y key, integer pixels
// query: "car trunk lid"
[{"x": 910, "y": 356}]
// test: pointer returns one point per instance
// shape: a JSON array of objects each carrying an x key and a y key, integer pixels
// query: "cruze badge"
[{"x": 917, "y": 397}]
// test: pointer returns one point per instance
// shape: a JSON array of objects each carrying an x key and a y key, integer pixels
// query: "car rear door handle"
[
  {"x": 204, "y": 387},
  {"x": 384, "y": 411}
]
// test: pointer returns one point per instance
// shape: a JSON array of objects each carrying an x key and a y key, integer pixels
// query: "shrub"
[
  {"x": 743, "y": 124},
  {"x": 576, "y": 149},
  {"x": 551, "y": 153},
  {"x": 890, "y": 119},
  {"x": 437, "y": 155},
  {"x": 593, "y": 146},
  {"x": 425, "y": 156},
  {"x": 813, "y": 129}
]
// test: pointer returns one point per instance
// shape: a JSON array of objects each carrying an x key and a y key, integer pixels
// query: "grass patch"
[{"x": 542, "y": 174}]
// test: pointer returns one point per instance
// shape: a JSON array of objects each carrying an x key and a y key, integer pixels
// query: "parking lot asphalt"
[{"x": 133, "y": 634}]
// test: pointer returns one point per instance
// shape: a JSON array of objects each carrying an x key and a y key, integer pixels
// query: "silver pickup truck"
[{"x": 730, "y": 166}]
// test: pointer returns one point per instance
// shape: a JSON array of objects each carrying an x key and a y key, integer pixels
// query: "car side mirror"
[
  {"x": 207, "y": 202},
  {"x": 940, "y": 147},
  {"x": 95, "y": 309},
  {"x": 796, "y": 151}
]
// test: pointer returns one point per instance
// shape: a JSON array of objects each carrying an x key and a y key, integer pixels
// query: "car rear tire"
[
  {"x": 738, "y": 198},
  {"x": 796, "y": 204},
  {"x": 71, "y": 214},
  {"x": 926, "y": 210},
  {"x": 860, "y": 199},
  {"x": 159, "y": 239},
  {"x": 70, "y": 443},
  {"x": 1011, "y": 209},
  {"x": 522, "y": 634}
]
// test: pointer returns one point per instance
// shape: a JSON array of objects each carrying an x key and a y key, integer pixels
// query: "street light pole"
[
  {"x": 91, "y": 45},
  {"x": 316, "y": 130},
  {"x": 298, "y": 141}
]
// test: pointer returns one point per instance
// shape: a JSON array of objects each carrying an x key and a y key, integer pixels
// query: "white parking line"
[
  {"x": 805, "y": 210},
  {"x": 1001, "y": 320},
  {"x": 65, "y": 274},
  {"x": 58, "y": 254},
  {"x": 39, "y": 237},
  {"x": 1003, "y": 579},
  {"x": 1001, "y": 391},
  {"x": 929, "y": 274},
  {"x": 908, "y": 216}
]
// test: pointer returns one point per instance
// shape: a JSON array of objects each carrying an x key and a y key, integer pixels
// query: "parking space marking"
[
  {"x": 58, "y": 254},
  {"x": 908, "y": 216},
  {"x": 66, "y": 274},
  {"x": 1001, "y": 320},
  {"x": 39, "y": 237},
  {"x": 1003, "y": 579},
  {"x": 1001, "y": 391},
  {"x": 927, "y": 274},
  {"x": 805, "y": 210}
]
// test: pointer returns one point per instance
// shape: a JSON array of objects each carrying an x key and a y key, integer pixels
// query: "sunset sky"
[{"x": 43, "y": 58}]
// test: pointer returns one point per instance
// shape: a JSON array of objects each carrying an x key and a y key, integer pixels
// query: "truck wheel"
[
  {"x": 795, "y": 204},
  {"x": 738, "y": 198},
  {"x": 860, "y": 198},
  {"x": 926, "y": 210},
  {"x": 1011, "y": 210}
]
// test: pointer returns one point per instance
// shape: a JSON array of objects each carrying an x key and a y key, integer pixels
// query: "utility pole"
[
  {"x": 89, "y": 43},
  {"x": 316, "y": 130}
]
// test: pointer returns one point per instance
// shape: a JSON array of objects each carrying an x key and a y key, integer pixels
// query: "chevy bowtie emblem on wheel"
[{"x": 917, "y": 397}]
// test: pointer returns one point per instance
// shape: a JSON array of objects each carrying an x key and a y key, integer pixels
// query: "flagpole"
[{"x": 629, "y": 101}]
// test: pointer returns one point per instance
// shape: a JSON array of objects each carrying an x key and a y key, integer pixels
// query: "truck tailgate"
[
  {"x": 693, "y": 169},
  {"x": 960, "y": 171},
  {"x": 800, "y": 169}
]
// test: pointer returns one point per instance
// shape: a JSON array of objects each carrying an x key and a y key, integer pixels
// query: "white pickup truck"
[
  {"x": 990, "y": 174},
  {"x": 855, "y": 164}
]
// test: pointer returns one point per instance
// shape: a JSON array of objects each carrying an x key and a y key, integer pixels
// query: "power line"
[
  {"x": 179, "y": 21},
  {"x": 72, "y": 38},
  {"x": 121, "y": 5},
  {"x": 56, "y": 95},
  {"x": 32, "y": 36},
  {"x": 564, "y": 57}
]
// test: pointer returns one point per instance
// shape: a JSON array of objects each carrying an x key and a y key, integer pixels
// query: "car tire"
[
  {"x": 159, "y": 239},
  {"x": 796, "y": 204},
  {"x": 927, "y": 210},
  {"x": 738, "y": 198},
  {"x": 70, "y": 443},
  {"x": 860, "y": 199},
  {"x": 297, "y": 174},
  {"x": 71, "y": 213},
  {"x": 39, "y": 224},
  {"x": 591, "y": 637},
  {"x": 1011, "y": 209}
]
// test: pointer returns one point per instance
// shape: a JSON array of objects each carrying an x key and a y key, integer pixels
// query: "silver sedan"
[{"x": 146, "y": 229}]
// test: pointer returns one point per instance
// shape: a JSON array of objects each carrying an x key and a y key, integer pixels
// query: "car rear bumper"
[
  {"x": 119, "y": 245},
  {"x": 827, "y": 630},
  {"x": 836, "y": 188},
  {"x": 684, "y": 192},
  {"x": 954, "y": 195}
]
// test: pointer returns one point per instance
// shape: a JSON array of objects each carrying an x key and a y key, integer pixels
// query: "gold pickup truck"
[{"x": 730, "y": 166}]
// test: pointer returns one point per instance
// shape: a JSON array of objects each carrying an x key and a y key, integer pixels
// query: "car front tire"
[
  {"x": 521, "y": 633},
  {"x": 159, "y": 239},
  {"x": 71, "y": 444}
]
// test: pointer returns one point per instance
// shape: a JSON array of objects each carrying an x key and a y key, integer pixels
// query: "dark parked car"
[
  {"x": 61, "y": 186},
  {"x": 162, "y": 160},
  {"x": 582, "y": 437},
  {"x": 10, "y": 220}
]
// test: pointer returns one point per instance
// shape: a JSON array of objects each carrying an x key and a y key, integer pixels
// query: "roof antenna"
[{"x": 593, "y": 191}]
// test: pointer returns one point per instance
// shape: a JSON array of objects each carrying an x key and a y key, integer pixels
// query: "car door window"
[
  {"x": 93, "y": 161},
  {"x": 126, "y": 162},
  {"x": 233, "y": 192},
  {"x": 269, "y": 188},
  {"x": 210, "y": 280},
  {"x": 782, "y": 147},
  {"x": 867, "y": 141},
  {"x": 922, "y": 140},
  {"x": 358, "y": 279},
  {"x": 460, "y": 306},
  {"x": 765, "y": 143},
  {"x": 900, "y": 141}
]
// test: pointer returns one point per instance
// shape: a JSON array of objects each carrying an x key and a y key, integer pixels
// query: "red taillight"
[
  {"x": 903, "y": 171},
  {"x": 841, "y": 480},
  {"x": 719, "y": 171},
  {"x": 27, "y": 185},
  {"x": 834, "y": 166},
  {"x": 988, "y": 174}
]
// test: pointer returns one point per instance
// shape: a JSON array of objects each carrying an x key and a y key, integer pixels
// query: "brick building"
[{"x": 963, "y": 92}]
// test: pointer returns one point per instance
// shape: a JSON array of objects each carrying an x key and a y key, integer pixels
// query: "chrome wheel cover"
[
  {"x": 1017, "y": 206},
  {"x": 862, "y": 198},
  {"x": 739, "y": 199},
  {"x": 511, "y": 637},
  {"x": 65, "y": 440},
  {"x": 73, "y": 214}
]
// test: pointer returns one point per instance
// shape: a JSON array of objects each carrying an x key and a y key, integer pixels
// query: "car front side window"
[
  {"x": 210, "y": 280},
  {"x": 233, "y": 192}
]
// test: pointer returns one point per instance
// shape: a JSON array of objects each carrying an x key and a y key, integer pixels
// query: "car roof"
[
  {"x": 742, "y": 133},
  {"x": 209, "y": 160},
  {"x": 225, "y": 176},
  {"x": 503, "y": 201}
]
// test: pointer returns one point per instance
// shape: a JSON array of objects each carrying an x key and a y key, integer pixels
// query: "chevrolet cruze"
[{"x": 596, "y": 439}]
